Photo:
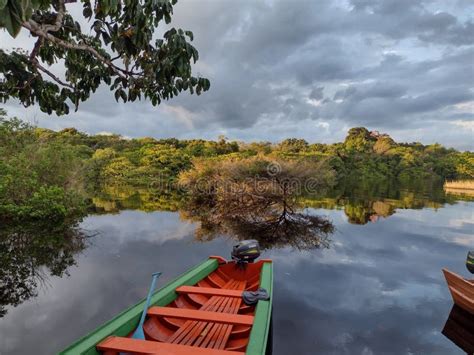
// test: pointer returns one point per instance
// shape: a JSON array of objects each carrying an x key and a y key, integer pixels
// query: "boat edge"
[
  {"x": 125, "y": 322},
  {"x": 259, "y": 334}
]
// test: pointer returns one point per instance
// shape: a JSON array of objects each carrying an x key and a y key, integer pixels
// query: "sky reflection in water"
[{"x": 378, "y": 289}]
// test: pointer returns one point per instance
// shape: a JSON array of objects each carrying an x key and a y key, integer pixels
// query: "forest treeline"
[{"x": 46, "y": 174}]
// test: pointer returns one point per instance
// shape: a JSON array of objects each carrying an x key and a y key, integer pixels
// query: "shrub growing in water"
[{"x": 258, "y": 197}]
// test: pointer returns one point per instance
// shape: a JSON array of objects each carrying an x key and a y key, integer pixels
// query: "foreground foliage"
[
  {"x": 120, "y": 51},
  {"x": 38, "y": 180}
]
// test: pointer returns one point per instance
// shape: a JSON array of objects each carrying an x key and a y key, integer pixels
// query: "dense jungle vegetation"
[{"x": 48, "y": 175}]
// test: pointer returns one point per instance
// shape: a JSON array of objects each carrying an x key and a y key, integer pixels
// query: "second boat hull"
[{"x": 462, "y": 290}]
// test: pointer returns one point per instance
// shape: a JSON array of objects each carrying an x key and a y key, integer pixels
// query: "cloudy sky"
[{"x": 308, "y": 69}]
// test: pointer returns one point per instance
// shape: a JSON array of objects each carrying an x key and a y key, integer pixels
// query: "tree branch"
[
  {"x": 37, "y": 65},
  {"x": 59, "y": 19},
  {"x": 34, "y": 61},
  {"x": 36, "y": 49},
  {"x": 36, "y": 29}
]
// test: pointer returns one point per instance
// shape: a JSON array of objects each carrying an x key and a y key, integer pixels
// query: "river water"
[{"x": 377, "y": 289}]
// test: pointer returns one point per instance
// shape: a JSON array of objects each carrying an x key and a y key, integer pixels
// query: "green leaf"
[
  {"x": 167, "y": 18},
  {"x": 123, "y": 95},
  {"x": 190, "y": 35},
  {"x": 163, "y": 65},
  {"x": 87, "y": 12},
  {"x": 25, "y": 9},
  {"x": 114, "y": 4},
  {"x": 105, "y": 7},
  {"x": 10, "y": 22}
]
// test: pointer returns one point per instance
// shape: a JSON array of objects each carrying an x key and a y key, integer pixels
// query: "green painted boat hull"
[{"x": 125, "y": 322}]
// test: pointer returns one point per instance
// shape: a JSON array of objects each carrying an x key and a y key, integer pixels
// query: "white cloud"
[{"x": 469, "y": 125}]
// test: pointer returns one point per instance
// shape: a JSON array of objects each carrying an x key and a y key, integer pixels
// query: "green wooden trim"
[
  {"x": 261, "y": 325},
  {"x": 127, "y": 321}
]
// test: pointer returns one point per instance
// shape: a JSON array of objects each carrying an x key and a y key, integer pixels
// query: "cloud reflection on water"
[{"x": 377, "y": 290}]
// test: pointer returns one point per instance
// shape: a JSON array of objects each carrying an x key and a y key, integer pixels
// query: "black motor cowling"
[
  {"x": 246, "y": 251},
  {"x": 470, "y": 262}
]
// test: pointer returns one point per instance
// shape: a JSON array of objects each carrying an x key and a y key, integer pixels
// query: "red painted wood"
[
  {"x": 215, "y": 280},
  {"x": 190, "y": 324},
  {"x": 119, "y": 344},
  {"x": 217, "y": 295},
  {"x": 209, "y": 291},
  {"x": 237, "y": 344},
  {"x": 219, "y": 259},
  {"x": 211, "y": 305},
  {"x": 219, "y": 333},
  {"x": 227, "y": 329}
]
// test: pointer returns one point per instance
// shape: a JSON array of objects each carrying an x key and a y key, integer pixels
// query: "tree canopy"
[
  {"x": 51, "y": 175},
  {"x": 121, "y": 52}
]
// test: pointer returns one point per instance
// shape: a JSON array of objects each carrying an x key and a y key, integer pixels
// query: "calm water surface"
[{"x": 378, "y": 289}]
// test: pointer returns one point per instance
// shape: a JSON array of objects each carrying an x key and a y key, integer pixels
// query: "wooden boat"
[
  {"x": 201, "y": 312},
  {"x": 459, "y": 328},
  {"x": 462, "y": 290}
]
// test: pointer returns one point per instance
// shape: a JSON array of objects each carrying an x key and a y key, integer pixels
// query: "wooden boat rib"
[
  {"x": 200, "y": 312},
  {"x": 462, "y": 290}
]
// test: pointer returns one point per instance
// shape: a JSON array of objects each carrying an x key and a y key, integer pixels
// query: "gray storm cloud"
[{"x": 309, "y": 69}]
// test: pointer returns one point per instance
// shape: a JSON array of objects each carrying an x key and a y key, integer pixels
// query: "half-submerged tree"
[
  {"x": 258, "y": 198},
  {"x": 121, "y": 52}
]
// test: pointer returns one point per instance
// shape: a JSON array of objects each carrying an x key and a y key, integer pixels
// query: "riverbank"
[{"x": 460, "y": 185}]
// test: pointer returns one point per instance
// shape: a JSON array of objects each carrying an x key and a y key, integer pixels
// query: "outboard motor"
[
  {"x": 246, "y": 251},
  {"x": 470, "y": 262}
]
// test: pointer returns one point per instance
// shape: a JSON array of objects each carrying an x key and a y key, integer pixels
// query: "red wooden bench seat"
[
  {"x": 211, "y": 291},
  {"x": 192, "y": 314}
]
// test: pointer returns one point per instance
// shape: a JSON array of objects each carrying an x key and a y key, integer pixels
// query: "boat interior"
[{"x": 206, "y": 318}]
